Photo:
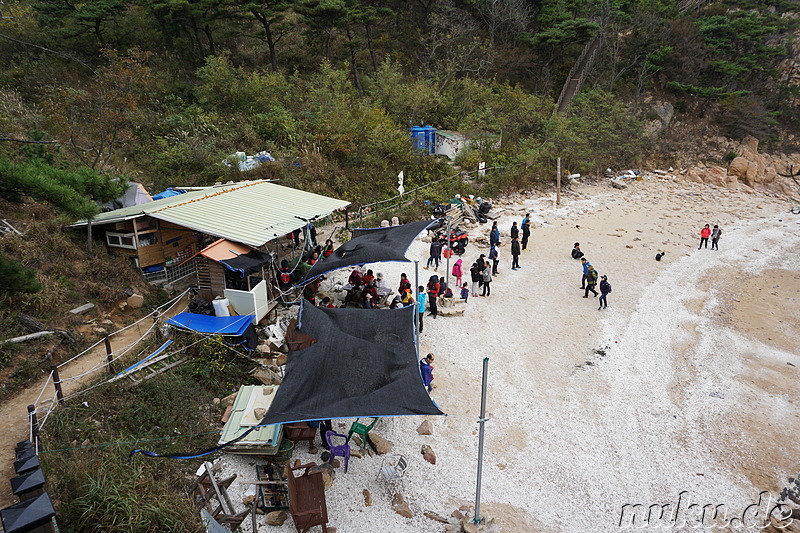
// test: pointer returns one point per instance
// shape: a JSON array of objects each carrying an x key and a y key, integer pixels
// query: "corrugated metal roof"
[{"x": 251, "y": 212}]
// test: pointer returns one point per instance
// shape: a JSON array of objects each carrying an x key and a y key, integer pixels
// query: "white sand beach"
[{"x": 686, "y": 383}]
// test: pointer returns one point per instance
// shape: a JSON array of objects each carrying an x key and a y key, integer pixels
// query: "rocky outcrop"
[{"x": 751, "y": 169}]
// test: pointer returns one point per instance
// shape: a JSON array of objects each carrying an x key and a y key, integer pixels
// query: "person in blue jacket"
[
  {"x": 585, "y": 264},
  {"x": 422, "y": 297},
  {"x": 494, "y": 236},
  {"x": 426, "y": 369}
]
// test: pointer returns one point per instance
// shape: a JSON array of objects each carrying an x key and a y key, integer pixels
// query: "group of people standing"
[
  {"x": 707, "y": 232},
  {"x": 590, "y": 278}
]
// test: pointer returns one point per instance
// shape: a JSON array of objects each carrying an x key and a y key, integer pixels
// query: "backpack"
[{"x": 285, "y": 278}]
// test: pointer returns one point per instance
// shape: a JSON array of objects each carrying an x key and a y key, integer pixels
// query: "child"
[
  {"x": 458, "y": 272},
  {"x": 465, "y": 293},
  {"x": 426, "y": 369}
]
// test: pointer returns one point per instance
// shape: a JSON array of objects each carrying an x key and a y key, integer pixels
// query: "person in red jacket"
[
  {"x": 434, "y": 287},
  {"x": 705, "y": 233}
]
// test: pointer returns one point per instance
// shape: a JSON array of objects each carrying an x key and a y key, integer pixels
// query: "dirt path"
[{"x": 14, "y": 412}]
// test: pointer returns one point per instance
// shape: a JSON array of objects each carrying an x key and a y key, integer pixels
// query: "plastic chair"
[
  {"x": 394, "y": 470},
  {"x": 363, "y": 431},
  {"x": 342, "y": 450}
]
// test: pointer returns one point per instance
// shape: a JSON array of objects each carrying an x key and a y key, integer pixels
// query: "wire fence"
[{"x": 402, "y": 199}]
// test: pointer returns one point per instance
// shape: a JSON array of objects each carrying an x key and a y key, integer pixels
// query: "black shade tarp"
[
  {"x": 371, "y": 246},
  {"x": 248, "y": 263},
  {"x": 363, "y": 364}
]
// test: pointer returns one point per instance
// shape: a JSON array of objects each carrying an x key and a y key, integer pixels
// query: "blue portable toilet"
[
  {"x": 418, "y": 140},
  {"x": 430, "y": 139}
]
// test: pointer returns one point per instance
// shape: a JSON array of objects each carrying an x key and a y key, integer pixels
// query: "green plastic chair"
[{"x": 363, "y": 431}]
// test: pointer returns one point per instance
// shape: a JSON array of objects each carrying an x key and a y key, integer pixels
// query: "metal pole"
[
  {"x": 34, "y": 427},
  {"x": 481, "y": 421},
  {"x": 57, "y": 384},
  {"x": 416, "y": 304},
  {"x": 558, "y": 182},
  {"x": 108, "y": 353},
  {"x": 447, "y": 273}
]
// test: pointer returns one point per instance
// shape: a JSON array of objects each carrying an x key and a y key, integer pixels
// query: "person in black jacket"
[
  {"x": 526, "y": 230},
  {"x": 591, "y": 281},
  {"x": 515, "y": 251},
  {"x": 476, "y": 276},
  {"x": 514, "y": 230},
  {"x": 576, "y": 251},
  {"x": 436, "y": 253},
  {"x": 605, "y": 288}
]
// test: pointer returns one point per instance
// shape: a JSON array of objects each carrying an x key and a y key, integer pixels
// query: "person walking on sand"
[
  {"x": 605, "y": 288},
  {"x": 494, "y": 235},
  {"x": 434, "y": 287},
  {"x": 705, "y": 233},
  {"x": 591, "y": 282},
  {"x": 435, "y": 253},
  {"x": 494, "y": 255},
  {"x": 526, "y": 230},
  {"x": 426, "y": 370},
  {"x": 487, "y": 280},
  {"x": 576, "y": 251},
  {"x": 716, "y": 233},
  {"x": 515, "y": 251},
  {"x": 476, "y": 276},
  {"x": 514, "y": 230},
  {"x": 458, "y": 272},
  {"x": 585, "y": 264}
]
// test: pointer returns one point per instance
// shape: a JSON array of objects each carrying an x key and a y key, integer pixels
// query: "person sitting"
[
  {"x": 327, "y": 250},
  {"x": 313, "y": 259},
  {"x": 353, "y": 296},
  {"x": 576, "y": 251},
  {"x": 326, "y": 302},
  {"x": 370, "y": 296},
  {"x": 366, "y": 278},
  {"x": 396, "y": 302},
  {"x": 285, "y": 275},
  {"x": 310, "y": 291},
  {"x": 355, "y": 278}
]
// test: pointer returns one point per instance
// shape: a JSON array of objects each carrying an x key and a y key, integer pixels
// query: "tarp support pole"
[
  {"x": 416, "y": 303},
  {"x": 482, "y": 422}
]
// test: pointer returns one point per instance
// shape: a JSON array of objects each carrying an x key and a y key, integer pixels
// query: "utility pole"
[{"x": 558, "y": 182}]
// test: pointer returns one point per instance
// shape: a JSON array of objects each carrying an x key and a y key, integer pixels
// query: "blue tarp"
[
  {"x": 215, "y": 325},
  {"x": 166, "y": 194}
]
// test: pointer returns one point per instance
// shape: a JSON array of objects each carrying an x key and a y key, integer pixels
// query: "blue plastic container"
[
  {"x": 430, "y": 139},
  {"x": 423, "y": 138}
]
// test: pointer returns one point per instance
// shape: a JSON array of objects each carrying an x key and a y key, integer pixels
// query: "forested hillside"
[{"x": 162, "y": 90}]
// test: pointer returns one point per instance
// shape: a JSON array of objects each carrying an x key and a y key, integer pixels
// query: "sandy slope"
[{"x": 695, "y": 391}]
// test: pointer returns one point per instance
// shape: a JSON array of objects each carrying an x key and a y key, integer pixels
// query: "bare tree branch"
[{"x": 12, "y": 139}]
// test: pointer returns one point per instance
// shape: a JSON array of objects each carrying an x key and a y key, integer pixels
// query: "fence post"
[
  {"x": 34, "y": 423},
  {"x": 108, "y": 353},
  {"x": 57, "y": 384}
]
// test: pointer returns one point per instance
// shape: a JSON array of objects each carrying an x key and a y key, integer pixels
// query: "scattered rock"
[
  {"x": 428, "y": 454},
  {"x": 458, "y": 515},
  {"x": 382, "y": 446},
  {"x": 628, "y": 246},
  {"x": 367, "y": 498},
  {"x": 400, "y": 506},
  {"x": 435, "y": 516},
  {"x": 216, "y": 401},
  {"x": 426, "y": 428},
  {"x": 469, "y": 527},
  {"x": 355, "y": 452},
  {"x": 259, "y": 413},
  {"x": 135, "y": 301},
  {"x": 276, "y": 518},
  {"x": 336, "y": 463},
  {"x": 228, "y": 400},
  {"x": 280, "y": 361},
  {"x": 328, "y": 473},
  {"x": 266, "y": 376},
  {"x": 247, "y": 500}
]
